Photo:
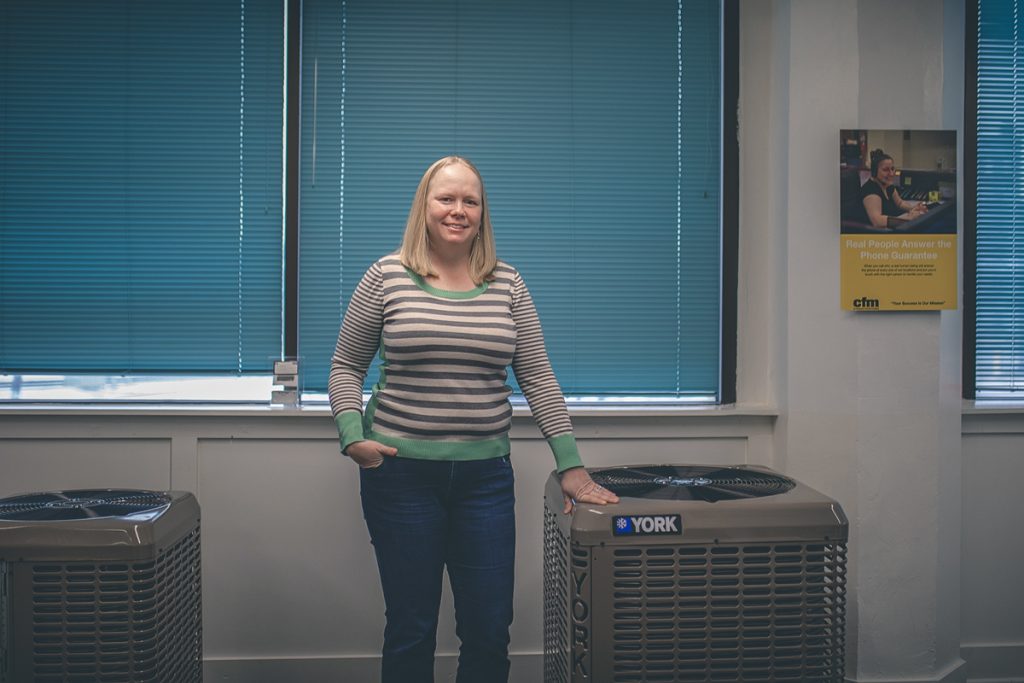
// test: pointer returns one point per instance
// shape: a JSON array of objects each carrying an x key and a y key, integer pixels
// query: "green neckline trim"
[{"x": 445, "y": 293}]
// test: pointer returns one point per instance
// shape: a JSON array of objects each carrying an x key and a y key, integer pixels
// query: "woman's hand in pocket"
[{"x": 369, "y": 454}]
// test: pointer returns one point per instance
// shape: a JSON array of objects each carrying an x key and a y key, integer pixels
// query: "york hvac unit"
[
  {"x": 698, "y": 574},
  {"x": 100, "y": 586}
]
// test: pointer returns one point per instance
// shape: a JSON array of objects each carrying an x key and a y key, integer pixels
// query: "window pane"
[
  {"x": 1000, "y": 203},
  {"x": 596, "y": 126},
  {"x": 140, "y": 185}
]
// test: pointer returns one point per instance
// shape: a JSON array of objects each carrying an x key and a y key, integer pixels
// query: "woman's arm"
[
  {"x": 917, "y": 208},
  {"x": 358, "y": 342},
  {"x": 873, "y": 205},
  {"x": 537, "y": 380},
  {"x": 533, "y": 371}
]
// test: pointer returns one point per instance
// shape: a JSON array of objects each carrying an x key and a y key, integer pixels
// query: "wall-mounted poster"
[{"x": 898, "y": 220}]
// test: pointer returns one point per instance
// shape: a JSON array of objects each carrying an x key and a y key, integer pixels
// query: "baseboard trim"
[
  {"x": 526, "y": 668},
  {"x": 955, "y": 672},
  {"x": 994, "y": 663},
  {"x": 980, "y": 663}
]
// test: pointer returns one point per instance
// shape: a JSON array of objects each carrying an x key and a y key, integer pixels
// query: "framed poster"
[{"x": 898, "y": 220}]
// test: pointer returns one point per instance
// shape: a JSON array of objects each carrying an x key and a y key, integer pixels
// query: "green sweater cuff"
[
  {"x": 567, "y": 455},
  {"x": 350, "y": 427}
]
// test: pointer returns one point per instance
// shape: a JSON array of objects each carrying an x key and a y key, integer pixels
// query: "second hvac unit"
[
  {"x": 700, "y": 573},
  {"x": 100, "y": 586}
]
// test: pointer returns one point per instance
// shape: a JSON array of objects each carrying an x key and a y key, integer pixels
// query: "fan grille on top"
[
  {"x": 77, "y": 505},
  {"x": 710, "y": 484}
]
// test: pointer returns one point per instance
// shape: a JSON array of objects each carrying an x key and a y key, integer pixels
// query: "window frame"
[
  {"x": 969, "y": 356},
  {"x": 729, "y": 215},
  {"x": 970, "y": 203}
]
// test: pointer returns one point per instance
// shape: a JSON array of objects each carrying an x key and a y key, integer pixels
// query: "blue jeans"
[{"x": 423, "y": 516}]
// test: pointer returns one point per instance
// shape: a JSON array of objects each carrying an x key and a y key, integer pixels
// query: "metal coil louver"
[
  {"x": 119, "y": 622},
  {"x": 5, "y": 620},
  {"x": 757, "y": 612}
]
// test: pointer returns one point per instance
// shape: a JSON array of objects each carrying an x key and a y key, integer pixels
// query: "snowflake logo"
[{"x": 622, "y": 523}]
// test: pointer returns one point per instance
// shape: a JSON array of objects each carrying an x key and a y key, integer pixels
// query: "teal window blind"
[
  {"x": 999, "y": 307},
  {"x": 597, "y": 127},
  {"x": 140, "y": 186}
]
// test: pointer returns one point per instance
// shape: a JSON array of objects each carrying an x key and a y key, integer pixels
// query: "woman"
[
  {"x": 882, "y": 202},
  {"x": 436, "y": 482}
]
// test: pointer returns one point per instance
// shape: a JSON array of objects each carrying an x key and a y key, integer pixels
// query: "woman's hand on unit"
[{"x": 578, "y": 487}]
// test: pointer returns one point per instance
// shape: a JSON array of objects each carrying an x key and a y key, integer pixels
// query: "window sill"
[
  {"x": 322, "y": 409},
  {"x": 969, "y": 408},
  {"x": 993, "y": 407}
]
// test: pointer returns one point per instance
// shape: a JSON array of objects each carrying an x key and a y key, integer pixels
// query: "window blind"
[
  {"x": 140, "y": 186},
  {"x": 596, "y": 126},
  {"x": 999, "y": 352}
]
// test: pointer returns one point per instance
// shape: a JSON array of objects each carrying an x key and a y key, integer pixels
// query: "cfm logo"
[
  {"x": 647, "y": 525},
  {"x": 865, "y": 302}
]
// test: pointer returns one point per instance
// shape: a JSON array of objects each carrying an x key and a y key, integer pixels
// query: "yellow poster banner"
[
  {"x": 898, "y": 220},
  {"x": 894, "y": 272}
]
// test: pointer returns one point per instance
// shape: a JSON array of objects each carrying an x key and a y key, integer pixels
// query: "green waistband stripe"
[{"x": 446, "y": 450}]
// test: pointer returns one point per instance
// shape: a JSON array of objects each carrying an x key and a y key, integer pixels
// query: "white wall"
[
  {"x": 869, "y": 403},
  {"x": 991, "y": 593},
  {"x": 290, "y": 586}
]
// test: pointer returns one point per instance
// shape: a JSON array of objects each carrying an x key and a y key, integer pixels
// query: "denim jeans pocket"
[{"x": 377, "y": 469}]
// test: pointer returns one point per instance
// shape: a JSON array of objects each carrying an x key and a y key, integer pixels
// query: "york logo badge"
[{"x": 647, "y": 525}]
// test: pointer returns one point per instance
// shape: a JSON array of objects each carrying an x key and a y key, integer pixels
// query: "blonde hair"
[{"x": 415, "y": 250}]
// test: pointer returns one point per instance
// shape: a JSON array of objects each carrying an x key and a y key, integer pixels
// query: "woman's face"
[
  {"x": 454, "y": 207},
  {"x": 886, "y": 172}
]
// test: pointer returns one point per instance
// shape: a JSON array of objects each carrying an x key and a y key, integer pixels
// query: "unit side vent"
[
  {"x": 120, "y": 622},
  {"x": 556, "y": 617},
  {"x": 762, "y": 612}
]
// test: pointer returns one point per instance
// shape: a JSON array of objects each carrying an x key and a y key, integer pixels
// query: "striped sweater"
[{"x": 442, "y": 391}]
